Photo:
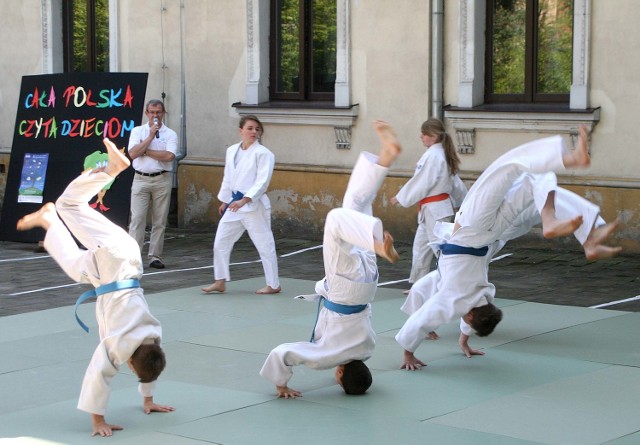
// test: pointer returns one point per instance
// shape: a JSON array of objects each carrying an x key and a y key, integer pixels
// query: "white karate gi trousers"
[
  {"x": 258, "y": 225},
  {"x": 124, "y": 320}
]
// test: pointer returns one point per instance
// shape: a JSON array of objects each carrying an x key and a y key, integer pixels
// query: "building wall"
[
  {"x": 612, "y": 181},
  {"x": 21, "y": 54},
  {"x": 390, "y": 79}
]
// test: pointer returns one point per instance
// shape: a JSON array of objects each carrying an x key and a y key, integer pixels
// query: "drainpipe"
[
  {"x": 437, "y": 57},
  {"x": 182, "y": 133},
  {"x": 182, "y": 153}
]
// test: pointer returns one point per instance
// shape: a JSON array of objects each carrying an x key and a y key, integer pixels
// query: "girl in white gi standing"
[
  {"x": 343, "y": 336},
  {"x": 487, "y": 217},
  {"x": 245, "y": 206},
  {"x": 128, "y": 331},
  {"x": 436, "y": 187}
]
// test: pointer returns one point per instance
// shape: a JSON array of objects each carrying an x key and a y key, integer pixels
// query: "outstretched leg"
[
  {"x": 90, "y": 227},
  {"x": 390, "y": 149},
  {"x": 370, "y": 171}
]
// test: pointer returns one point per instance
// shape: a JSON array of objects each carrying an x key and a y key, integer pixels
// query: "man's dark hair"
[
  {"x": 356, "y": 378},
  {"x": 148, "y": 361},
  {"x": 155, "y": 102},
  {"x": 485, "y": 319}
]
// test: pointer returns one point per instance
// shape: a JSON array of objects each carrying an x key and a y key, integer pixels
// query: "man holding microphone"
[{"x": 152, "y": 148}]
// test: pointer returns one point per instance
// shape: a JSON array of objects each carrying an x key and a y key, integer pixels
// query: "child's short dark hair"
[
  {"x": 485, "y": 319},
  {"x": 148, "y": 361},
  {"x": 356, "y": 378}
]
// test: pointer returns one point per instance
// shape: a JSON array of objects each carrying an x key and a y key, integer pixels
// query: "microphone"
[{"x": 155, "y": 121}]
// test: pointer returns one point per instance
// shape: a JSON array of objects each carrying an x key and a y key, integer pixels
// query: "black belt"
[{"x": 151, "y": 175}]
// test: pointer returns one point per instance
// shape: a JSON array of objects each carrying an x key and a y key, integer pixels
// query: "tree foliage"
[{"x": 553, "y": 40}]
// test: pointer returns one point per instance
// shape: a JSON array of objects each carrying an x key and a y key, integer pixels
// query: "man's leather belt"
[{"x": 151, "y": 175}]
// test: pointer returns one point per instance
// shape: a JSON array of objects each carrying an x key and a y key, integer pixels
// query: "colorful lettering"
[{"x": 128, "y": 99}]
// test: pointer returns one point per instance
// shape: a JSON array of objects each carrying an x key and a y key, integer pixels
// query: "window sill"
[
  {"x": 547, "y": 118},
  {"x": 306, "y": 113}
]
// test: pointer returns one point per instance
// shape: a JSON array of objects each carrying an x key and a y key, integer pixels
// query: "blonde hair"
[{"x": 435, "y": 127}]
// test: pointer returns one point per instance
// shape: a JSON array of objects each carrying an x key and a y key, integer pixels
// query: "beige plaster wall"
[
  {"x": 388, "y": 79},
  {"x": 21, "y": 54},
  {"x": 615, "y": 87},
  {"x": 149, "y": 41},
  {"x": 301, "y": 198}
]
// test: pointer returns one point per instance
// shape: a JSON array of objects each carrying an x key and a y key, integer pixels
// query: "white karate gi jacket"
[
  {"x": 431, "y": 178},
  {"x": 251, "y": 177},
  {"x": 124, "y": 319},
  {"x": 124, "y": 323},
  {"x": 525, "y": 199},
  {"x": 485, "y": 217}
]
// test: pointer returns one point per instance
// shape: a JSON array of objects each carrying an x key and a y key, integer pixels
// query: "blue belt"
[
  {"x": 454, "y": 249},
  {"x": 346, "y": 309},
  {"x": 100, "y": 290},
  {"x": 235, "y": 196}
]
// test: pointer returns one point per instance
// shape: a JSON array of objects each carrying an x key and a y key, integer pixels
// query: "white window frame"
[
  {"x": 342, "y": 114},
  {"x": 52, "y": 48},
  {"x": 470, "y": 89}
]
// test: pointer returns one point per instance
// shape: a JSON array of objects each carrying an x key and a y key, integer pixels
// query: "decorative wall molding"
[
  {"x": 334, "y": 117},
  {"x": 467, "y": 121},
  {"x": 343, "y": 137}
]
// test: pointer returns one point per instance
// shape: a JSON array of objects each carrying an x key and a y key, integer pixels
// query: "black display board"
[{"x": 60, "y": 124}]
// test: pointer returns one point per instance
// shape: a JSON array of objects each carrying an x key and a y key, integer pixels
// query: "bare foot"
[
  {"x": 284, "y": 392},
  {"x": 411, "y": 363},
  {"x": 579, "y": 157},
  {"x": 600, "y": 252},
  {"x": 217, "y": 286},
  {"x": 433, "y": 335},
  {"x": 593, "y": 247},
  {"x": 390, "y": 148},
  {"x": 118, "y": 162},
  {"x": 555, "y": 228},
  {"x": 40, "y": 218},
  {"x": 406, "y": 291},
  {"x": 268, "y": 290},
  {"x": 390, "y": 251}
]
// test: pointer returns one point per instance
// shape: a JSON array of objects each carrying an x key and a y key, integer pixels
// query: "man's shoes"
[{"x": 156, "y": 264}]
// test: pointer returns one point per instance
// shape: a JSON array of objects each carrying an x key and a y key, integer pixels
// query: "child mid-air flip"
[
  {"x": 112, "y": 263},
  {"x": 510, "y": 196},
  {"x": 343, "y": 336}
]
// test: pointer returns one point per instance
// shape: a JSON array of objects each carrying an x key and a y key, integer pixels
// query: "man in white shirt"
[{"x": 152, "y": 148}]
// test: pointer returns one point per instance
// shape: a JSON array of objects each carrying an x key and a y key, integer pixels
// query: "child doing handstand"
[
  {"x": 343, "y": 336},
  {"x": 128, "y": 332}
]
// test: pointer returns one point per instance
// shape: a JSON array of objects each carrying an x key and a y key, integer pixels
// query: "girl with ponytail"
[{"x": 436, "y": 188}]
